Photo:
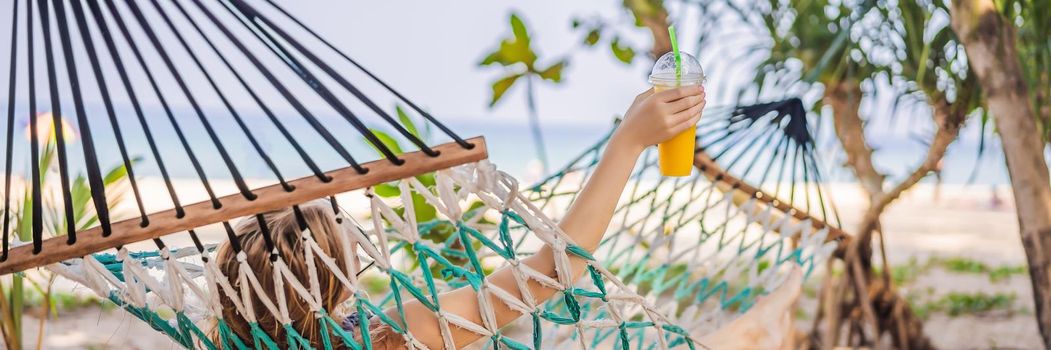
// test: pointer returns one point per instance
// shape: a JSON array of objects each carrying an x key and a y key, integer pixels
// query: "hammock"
[
  {"x": 709, "y": 244},
  {"x": 487, "y": 221}
]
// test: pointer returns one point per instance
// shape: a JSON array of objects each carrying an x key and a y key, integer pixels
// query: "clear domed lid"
[{"x": 664, "y": 70}]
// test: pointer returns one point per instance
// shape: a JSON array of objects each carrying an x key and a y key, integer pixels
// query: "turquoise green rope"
[
  {"x": 151, "y": 318},
  {"x": 572, "y": 307},
  {"x": 228, "y": 337},
  {"x": 363, "y": 324},
  {"x": 326, "y": 341},
  {"x": 294, "y": 339},
  {"x": 191, "y": 330},
  {"x": 260, "y": 338},
  {"x": 330, "y": 325}
]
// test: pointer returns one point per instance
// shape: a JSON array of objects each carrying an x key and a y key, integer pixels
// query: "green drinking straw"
[{"x": 678, "y": 57}]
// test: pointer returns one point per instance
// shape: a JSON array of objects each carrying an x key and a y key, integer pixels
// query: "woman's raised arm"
[{"x": 652, "y": 118}]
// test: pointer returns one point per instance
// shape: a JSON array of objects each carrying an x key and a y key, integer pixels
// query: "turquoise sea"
[{"x": 510, "y": 144}]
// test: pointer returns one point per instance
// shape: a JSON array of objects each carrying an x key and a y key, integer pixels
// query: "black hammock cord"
[
  {"x": 56, "y": 122},
  {"x": 737, "y": 136},
  {"x": 131, "y": 32},
  {"x": 742, "y": 136},
  {"x": 10, "y": 127}
]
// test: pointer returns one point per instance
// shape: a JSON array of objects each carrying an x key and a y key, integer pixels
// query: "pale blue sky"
[
  {"x": 454, "y": 37},
  {"x": 429, "y": 50}
]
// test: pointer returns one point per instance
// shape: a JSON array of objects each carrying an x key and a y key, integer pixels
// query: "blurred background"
[{"x": 906, "y": 131}]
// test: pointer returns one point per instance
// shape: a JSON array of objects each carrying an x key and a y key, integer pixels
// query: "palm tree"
[
  {"x": 12, "y": 292},
  {"x": 1034, "y": 52},
  {"x": 1011, "y": 63},
  {"x": 805, "y": 46},
  {"x": 519, "y": 59},
  {"x": 827, "y": 45}
]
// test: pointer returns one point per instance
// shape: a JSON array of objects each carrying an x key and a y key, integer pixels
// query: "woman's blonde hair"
[{"x": 284, "y": 227}]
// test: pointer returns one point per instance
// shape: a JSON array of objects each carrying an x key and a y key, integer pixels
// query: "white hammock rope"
[
  {"x": 608, "y": 308},
  {"x": 701, "y": 250}
]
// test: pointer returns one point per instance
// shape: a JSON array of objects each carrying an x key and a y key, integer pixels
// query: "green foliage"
[
  {"x": 407, "y": 122},
  {"x": 924, "y": 302},
  {"x": 422, "y": 210},
  {"x": 387, "y": 141},
  {"x": 958, "y": 304},
  {"x": 996, "y": 274},
  {"x": 928, "y": 56},
  {"x": 906, "y": 43},
  {"x": 1033, "y": 28},
  {"x": 959, "y": 264},
  {"x": 16, "y": 297},
  {"x": 387, "y": 190},
  {"x": 644, "y": 9},
  {"x": 519, "y": 59},
  {"x": 375, "y": 284},
  {"x": 592, "y": 38},
  {"x": 906, "y": 273},
  {"x": 622, "y": 52},
  {"x": 501, "y": 86},
  {"x": 58, "y": 302},
  {"x": 1003, "y": 272},
  {"x": 553, "y": 73},
  {"x": 808, "y": 40},
  {"x": 909, "y": 272},
  {"x": 595, "y": 30},
  {"x": 513, "y": 50},
  {"x": 763, "y": 265}
]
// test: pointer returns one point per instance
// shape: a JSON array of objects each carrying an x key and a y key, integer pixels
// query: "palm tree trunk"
[
  {"x": 654, "y": 17},
  {"x": 989, "y": 41},
  {"x": 868, "y": 305},
  {"x": 845, "y": 99},
  {"x": 534, "y": 125}
]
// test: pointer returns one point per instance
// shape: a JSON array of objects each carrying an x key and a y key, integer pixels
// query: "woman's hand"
[{"x": 657, "y": 117}]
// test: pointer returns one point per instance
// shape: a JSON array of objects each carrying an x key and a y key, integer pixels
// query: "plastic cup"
[{"x": 676, "y": 154}]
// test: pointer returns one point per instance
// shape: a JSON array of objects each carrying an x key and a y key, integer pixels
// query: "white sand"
[{"x": 963, "y": 223}]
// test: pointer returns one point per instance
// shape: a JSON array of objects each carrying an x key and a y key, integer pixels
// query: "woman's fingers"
[
  {"x": 689, "y": 116},
  {"x": 685, "y": 103},
  {"x": 685, "y": 125},
  {"x": 675, "y": 94}
]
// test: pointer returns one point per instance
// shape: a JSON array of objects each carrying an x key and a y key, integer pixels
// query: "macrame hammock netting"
[{"x": 682, "y": 256}]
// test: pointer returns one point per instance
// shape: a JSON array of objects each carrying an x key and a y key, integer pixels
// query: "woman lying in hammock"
[{"x": 652, "y": 118}]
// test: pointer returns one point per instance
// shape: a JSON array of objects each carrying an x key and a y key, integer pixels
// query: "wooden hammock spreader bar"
[
  {"x": 717, "y": 175},
  {"x": 273, "y": 197}
]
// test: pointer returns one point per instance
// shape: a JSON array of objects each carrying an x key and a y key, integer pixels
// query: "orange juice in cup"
[{"x": 676, "y": 154}]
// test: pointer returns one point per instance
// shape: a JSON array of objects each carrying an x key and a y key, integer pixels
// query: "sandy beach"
[{"x": 964, "y": 224}]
